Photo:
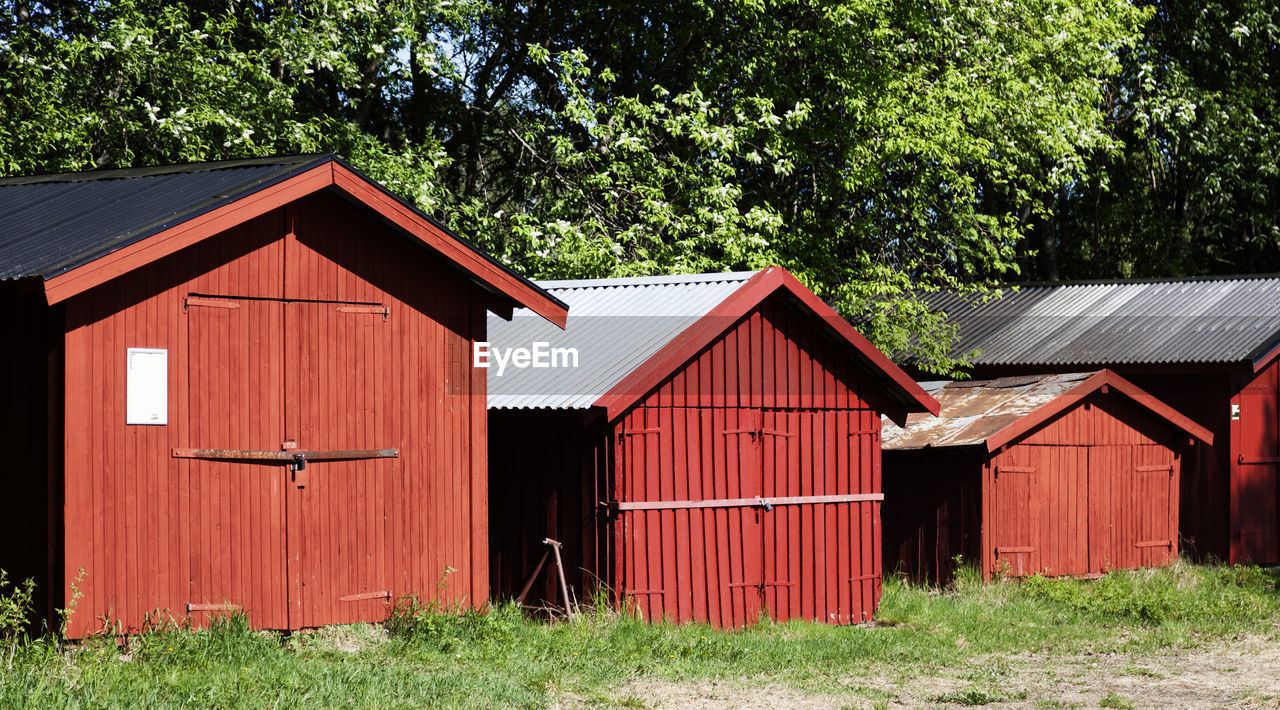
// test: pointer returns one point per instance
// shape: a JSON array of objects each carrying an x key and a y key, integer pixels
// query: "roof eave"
[
  {"x": 328, "y": 172},
  {"x": 1103, "y": 378},
  {"x": 912, "y": 398}
]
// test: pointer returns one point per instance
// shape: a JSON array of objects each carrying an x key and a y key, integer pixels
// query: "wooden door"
[
  {"x": 1155, "y": 498},
  {"x": 1112, "y": 533},
  {"x": 688, "y": 536},
  {"x": 337, "y": 396},
  {"x": 236, "y": 521},
  {"x": 1258, "y": 479},
  {"x": 1013, "y": 531},
  {"x": 725, "y": 515},
  {"x": 291, "y": 454},
  {"x": 742, "y": 524},
  {"x": 820, "y": 505}
]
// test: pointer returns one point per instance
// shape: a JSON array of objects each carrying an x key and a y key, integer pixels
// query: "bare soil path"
[{"x": 1243, "y": 672}]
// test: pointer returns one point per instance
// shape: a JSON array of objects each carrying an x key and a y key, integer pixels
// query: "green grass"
[
  {"x": 501, "y": 659},
  {"x": 1111, "y": 700}
]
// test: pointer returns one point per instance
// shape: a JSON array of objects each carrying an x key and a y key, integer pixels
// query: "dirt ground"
[{"x": 1239, "y": 673}]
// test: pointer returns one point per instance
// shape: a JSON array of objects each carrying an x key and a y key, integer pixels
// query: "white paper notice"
[{"x": 147, "y": 391}]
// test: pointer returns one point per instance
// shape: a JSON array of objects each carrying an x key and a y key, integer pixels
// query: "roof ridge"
[
  {"x": 1144, "y": 281},
  {"x": 156, "y": 170},
  {"x": 657, "y": 280}
]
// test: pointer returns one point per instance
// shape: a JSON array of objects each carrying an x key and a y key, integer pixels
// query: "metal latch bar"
[
  {"x": 384, "y": 594},
  {"x": 1258, "y": 461},
  {"x": 291, "y": 456},
  {"x": 757, "y": 502},
  {"x": 211, "y": 607}
]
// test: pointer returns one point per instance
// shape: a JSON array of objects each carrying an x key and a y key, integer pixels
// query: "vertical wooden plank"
[
  {"x": 676, "y": 454},
  {"x": 476, "y": 404},
  {"x": 807, "y": 473}
]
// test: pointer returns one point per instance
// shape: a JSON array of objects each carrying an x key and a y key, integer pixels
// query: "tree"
[
  {"x": 1196, "y": 188},
  {"x": 872, "y": 147}
]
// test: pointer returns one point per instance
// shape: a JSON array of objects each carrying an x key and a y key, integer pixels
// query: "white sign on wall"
[{"x": 147, "y": 388}]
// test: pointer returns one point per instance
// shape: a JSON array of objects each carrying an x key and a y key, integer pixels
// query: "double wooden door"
[
  {"x": 1082, "y": 510},
  {"x": 290, "y": 457},
  {"x": 729, "y": 514}
]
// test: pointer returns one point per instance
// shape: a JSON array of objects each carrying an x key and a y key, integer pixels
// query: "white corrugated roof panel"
[{"x": 614, "y": 326}]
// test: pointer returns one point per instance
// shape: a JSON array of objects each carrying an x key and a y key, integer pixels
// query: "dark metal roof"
[
  {"x": 1224, "y": 320},
  {"x": 50, "y": 224}
]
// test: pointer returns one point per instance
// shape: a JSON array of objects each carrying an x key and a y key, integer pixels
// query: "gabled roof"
[
  {"x": 1232, "y": 320},
  {"x": 632, "y": 333},
  {"x": 73, "y": 231},
  {"x": 992, "y": 413}
]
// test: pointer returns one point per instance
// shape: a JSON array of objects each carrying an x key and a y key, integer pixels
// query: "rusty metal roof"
[
  {"x": 973, "y": 411},
  {"x": 1218, "y": 320}
]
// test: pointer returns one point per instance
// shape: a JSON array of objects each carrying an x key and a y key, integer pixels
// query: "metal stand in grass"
[{"x": 553, "y": 548}]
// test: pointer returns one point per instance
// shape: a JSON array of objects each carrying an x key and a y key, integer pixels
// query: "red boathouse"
[
  {"x": 242, "y": 386},
  {"x": 1072, "y": 474},
  {"x": 712, "y": 454}
]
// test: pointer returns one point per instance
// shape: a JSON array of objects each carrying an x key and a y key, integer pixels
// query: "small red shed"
[
  {"x": 242, "y": 386},
  {"x": 711, "y": 452},
  {"x": 1209, "y": 347},
  {"x": 1071, "y": 474}
]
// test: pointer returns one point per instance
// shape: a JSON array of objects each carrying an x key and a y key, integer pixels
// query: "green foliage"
[
  {"x": 15, "y": 614},
  {"x": 15, "y": 607},
  {"x": 874, "y": 148},
  {"x": 1196, "y": 188},
  {"x": 447, "y": 628}
]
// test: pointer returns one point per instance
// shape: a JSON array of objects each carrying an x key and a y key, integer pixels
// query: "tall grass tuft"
[{"x": 1180, "y": 592}]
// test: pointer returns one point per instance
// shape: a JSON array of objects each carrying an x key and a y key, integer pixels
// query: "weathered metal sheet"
[
  {"x": 973, "y": 410},
  {"x": 614, "y": 326},
  {"x": 1227, "y": 320}
]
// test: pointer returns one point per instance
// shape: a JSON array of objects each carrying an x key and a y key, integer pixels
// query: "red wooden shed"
[
  {"x": 712, "y": 454},
  {"x": 242, "y": 386},
  {"x": 1072, "y": 474},
  {"x": 1209, "y": 347}
]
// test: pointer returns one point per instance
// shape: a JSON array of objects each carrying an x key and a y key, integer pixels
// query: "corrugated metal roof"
[
  {"x": 973, "y": 411},
  {"x": 50, "y": 224},
  {"x": 1227, "y": 320},
  {"x": 614, "y": 325}
]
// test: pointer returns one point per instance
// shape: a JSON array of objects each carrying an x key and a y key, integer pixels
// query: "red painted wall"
[
  {"x": 288, "y": 343},
  {"x": 1254, "y": 465}
]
